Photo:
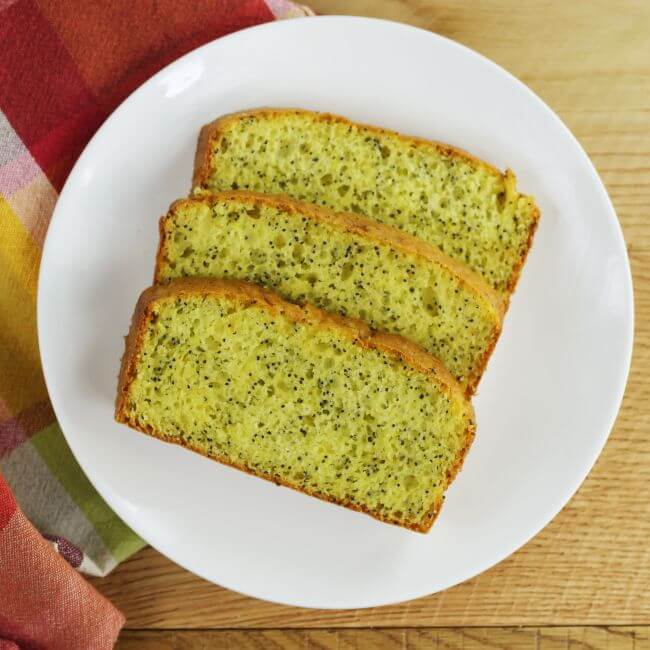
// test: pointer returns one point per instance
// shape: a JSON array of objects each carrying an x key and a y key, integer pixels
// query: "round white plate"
[{"x": 547, "y": 401}]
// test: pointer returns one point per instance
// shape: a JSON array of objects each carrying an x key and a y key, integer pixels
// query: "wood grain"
[
  {"x": 560, "y": 638},
  {"x": 590, "y": 61}
]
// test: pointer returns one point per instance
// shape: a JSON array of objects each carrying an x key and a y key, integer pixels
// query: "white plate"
[{"x": 547, "y": 401}]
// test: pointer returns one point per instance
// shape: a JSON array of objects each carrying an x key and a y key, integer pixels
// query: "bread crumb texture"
[
  {"x": 297, "y": 403},
  {"x": 465, "y": 207},
  {"x": 310, "y": 261}
]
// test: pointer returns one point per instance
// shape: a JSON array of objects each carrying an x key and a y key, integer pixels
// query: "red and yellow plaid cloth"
[{"x": 64, "y": 66}]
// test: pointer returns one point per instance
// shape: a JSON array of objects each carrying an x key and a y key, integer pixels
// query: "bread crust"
[
  {"x": 516, "y": 271},
  {"x": 368, "y": 229},
  {"x": 212, "y": 132},
  {"x": 354, "y": 330}
]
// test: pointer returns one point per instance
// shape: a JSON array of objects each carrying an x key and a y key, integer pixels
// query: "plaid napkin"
[
  {"x": 64, "y": 66},
  {"x": 43, "y": 602}
]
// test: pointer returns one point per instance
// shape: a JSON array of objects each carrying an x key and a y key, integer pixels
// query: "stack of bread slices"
[{"x": 324, "y": 306}]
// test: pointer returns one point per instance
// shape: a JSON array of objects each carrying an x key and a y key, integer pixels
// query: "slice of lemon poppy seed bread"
[
  {"x": 465, "y": 207},
  {"x": 295, "y": 395},
  {"x": 340, "y": 262}
]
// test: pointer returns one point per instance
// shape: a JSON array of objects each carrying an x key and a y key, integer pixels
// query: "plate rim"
[{"x": 552, "y": 510}]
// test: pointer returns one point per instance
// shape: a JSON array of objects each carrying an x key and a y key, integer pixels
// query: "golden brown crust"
[
  {"x": 161, "y": 252},
  {"x": 358, "y": 225},
  {"x": 421, "y": 526},
  {"x": 429, "y": 518},
  {"x": 132, "y": 345},
  {"x": 516, "y": 271},
  {"x": 366, "y": 228},
  {"x": 202, "y": 154},
  {"x": 213, "y": 131},
  {"x": 353, "y": 329}
]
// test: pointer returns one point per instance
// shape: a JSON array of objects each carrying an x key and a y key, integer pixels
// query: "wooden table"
[{"x": 585, "y": 580}]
